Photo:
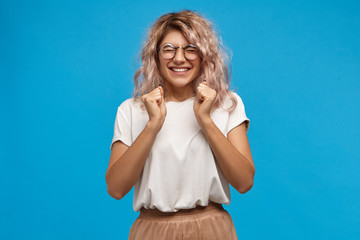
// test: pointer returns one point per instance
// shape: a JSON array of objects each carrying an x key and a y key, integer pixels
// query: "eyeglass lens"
[{"x": 168, "y": 51}]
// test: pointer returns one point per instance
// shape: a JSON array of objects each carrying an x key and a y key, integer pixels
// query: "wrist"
[
  {"x": 205, "y": 121},
  {"x": 153, "y": 127}
]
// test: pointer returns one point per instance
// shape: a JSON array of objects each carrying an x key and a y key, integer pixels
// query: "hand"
[
  {"x": 204, "y": 100},
  {"x": 155, "y": 106}
]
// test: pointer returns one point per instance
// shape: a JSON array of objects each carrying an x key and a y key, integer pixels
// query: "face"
[{"x": 178, "y": 72}]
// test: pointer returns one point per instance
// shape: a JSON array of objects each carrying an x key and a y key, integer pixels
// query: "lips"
[{"x": 179, "y": 69}]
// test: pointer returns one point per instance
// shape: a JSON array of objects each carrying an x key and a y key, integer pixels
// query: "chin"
[{"x": 180, "y": 83}]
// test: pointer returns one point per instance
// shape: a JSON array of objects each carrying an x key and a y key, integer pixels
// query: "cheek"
[
  {"x": 162, "y": 68},
  {"x": 198, "y": 68}
]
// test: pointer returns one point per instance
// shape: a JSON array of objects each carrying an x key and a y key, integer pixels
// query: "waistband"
[{"x": 193, "y": 212}]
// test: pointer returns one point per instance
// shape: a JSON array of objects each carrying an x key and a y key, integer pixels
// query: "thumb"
[
  {"x": 162, "y": 100},
  {"x": 161, "y": 90},
  {"x": 162, "y": 94},
  {"x": 199, "y": 95}
]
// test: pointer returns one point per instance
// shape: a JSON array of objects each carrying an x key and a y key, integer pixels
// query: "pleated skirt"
[{"x": 210, "y": 222}]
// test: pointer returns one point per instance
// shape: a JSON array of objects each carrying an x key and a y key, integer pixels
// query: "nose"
[{"x": 179, "y": 56}]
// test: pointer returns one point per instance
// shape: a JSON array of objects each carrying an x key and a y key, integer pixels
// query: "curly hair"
[{"x": 197, "y": 30}]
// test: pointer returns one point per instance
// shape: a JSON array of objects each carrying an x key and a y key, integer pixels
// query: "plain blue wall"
[{"x": 67, "y": 65}]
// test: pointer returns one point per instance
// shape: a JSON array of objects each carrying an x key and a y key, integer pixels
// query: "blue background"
[{"x": 66, "y": 65}]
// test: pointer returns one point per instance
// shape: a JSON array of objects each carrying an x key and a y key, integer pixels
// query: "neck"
[{"x": 177, "y": 94}]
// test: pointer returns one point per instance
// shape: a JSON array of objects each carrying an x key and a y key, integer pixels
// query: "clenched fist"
[
  {"x": 155, "y": 106},
  {"x": 203, "y": 102}
]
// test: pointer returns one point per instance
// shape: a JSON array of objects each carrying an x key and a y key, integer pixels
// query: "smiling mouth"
[{"x": 177, "y": 69}]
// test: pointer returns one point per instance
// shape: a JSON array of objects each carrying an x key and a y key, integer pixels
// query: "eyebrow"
[{"x": 172, "y": 45}]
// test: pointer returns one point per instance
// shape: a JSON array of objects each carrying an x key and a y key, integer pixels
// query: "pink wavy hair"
[{"x": 199, "y": 31}]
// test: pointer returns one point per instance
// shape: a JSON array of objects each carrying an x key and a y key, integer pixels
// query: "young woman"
[{"x": 183, "y": 137}]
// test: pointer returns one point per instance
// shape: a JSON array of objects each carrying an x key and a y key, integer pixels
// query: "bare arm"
[
  {"x": 232, "y": 153},
  {"x": 126, "y": 163}
]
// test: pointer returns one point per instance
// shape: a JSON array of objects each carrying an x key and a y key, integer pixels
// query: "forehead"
[{"x": 175, "y": 37}]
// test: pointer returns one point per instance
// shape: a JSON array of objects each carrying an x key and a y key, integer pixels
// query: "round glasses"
[{"x": 168, "y": 51}]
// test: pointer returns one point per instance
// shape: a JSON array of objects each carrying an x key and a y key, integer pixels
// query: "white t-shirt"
[{"x": 180, "y": 171}]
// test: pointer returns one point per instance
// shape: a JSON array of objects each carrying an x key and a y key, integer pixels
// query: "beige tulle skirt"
[{"x": 211, "y": 222}]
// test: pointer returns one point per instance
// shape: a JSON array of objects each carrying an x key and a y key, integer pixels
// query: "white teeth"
[{"x": 179, "y": 69}]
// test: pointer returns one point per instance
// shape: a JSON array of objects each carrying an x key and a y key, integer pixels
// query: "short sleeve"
[
  {"x": 122, "y": 126},
  {"x": 238, "y": 115}
]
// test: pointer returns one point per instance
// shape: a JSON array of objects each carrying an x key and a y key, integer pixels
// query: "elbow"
[
  {"x": 115, "y": 195},
  {"x": 245, "y": 187}
]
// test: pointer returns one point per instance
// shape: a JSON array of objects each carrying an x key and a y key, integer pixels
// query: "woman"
[{"x": 185, "y": 139}]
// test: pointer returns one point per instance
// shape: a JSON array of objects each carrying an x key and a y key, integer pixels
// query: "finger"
[
  {"x": 154, "y": 92},
  {"x": 155, "y": 96},
  {"x": 204, "y": 86},
  {"x": 161, "y": 102},
  {"x": 200, "y": 94},
  {"x": 205, "y": 89},
  {"x": 161, "y": 93},
  {"x": 161, "y": 90},
  {"x": 203, "y": 83}
]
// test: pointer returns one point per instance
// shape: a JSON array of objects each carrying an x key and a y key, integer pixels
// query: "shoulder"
[
  {"x": 130, "y": 103},
  {"x": 232, "y": 101},
  {"x": 236, "y": 96}
]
